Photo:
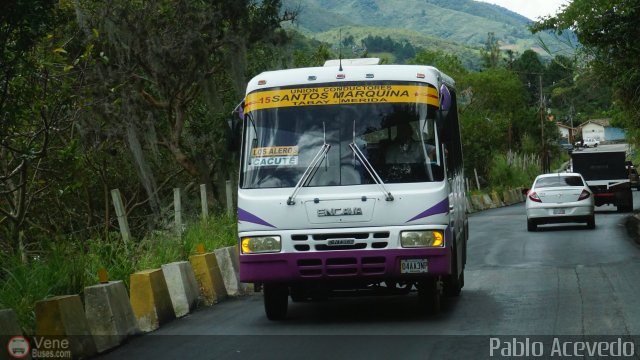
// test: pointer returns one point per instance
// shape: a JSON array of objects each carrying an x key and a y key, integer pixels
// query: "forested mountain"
[{"x": 463, "y": 23}]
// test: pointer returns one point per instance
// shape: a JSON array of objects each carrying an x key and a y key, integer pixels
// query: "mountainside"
[{"x": 463, "y": 22}]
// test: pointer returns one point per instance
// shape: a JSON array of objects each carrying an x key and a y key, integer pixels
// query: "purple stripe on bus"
[
  {"x": 244, "y": 215},
  {"x": 439, "y": 208}
]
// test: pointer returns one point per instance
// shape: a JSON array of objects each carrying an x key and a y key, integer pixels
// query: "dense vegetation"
[{"x": 136, "y": 96}]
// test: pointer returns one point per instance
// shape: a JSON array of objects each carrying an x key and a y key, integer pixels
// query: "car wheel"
[
  {"x": 276, "y": 301},
  {"x": 531, "y": 226},
  {"x": 591, "y": 223}
]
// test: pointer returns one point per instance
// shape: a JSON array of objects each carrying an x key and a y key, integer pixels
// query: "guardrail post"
[
  {"x": 123, "y": 223},
  {"x": 203, "y": 201},
  {"x": 177, "y": 206}
]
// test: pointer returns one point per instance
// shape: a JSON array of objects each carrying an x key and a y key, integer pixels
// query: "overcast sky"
[{"x": 530, "y": 8}]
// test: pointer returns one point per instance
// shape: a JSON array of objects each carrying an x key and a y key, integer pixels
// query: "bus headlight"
[
  {"x": 260, "y": 244},
  {"x": 428, "y": 238}
]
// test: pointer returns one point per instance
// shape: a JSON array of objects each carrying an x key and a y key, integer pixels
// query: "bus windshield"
[{"x": 399, "y": 140}]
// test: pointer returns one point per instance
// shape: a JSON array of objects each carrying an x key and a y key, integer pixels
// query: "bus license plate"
[
  {"x": 413, "y": 266},
  {"x": 558, "y": 211}
]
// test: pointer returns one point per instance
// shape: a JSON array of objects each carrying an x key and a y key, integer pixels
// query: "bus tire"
[
  {"x": 276, "y": 301},
  {"x": 531, "y": 226},
  {"x": 453, "y": 283},
  {"x": 591, "y": 223},
  {"x": 429, "y": 294}
]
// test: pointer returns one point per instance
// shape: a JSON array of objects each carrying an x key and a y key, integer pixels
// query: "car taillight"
[
  {"x": 584, "y": 195},
  {"x": 534, "y": 197}
]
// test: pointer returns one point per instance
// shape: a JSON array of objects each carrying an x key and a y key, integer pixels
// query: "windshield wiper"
[
  {"x": 309, "y": 172},
  {"x": 372, "y": 172}
]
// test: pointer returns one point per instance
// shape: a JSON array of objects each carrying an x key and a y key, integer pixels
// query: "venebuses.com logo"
[{"x": 41, "y": 347}]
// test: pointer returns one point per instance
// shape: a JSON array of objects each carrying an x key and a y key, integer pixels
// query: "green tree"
[
  {"x": 36, "y": 107},
  {"x": 529, "y": 68},
  {"x": 491, "y": 54},
  {"x": 608, "y": 30},
  {"x": 493, "y": 116},
  {"x": 164, "y": 69}
]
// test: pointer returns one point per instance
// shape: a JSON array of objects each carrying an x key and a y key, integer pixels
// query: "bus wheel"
[
  {"x": 429, "y": 294},
  {"x": 453, "y": 284},
  {"x": 276, "y": 301}
]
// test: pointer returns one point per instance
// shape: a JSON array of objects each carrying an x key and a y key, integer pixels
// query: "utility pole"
[
  {"x": 544, "y": 147},
  {"x": 571, "y": 134}
]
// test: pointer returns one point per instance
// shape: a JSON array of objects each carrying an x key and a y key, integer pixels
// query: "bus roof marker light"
[
  {"x": 420, "y": 76},
  {"x": 340, "y": 76},
  {"x": 262, "y": 82},
  {"x": 311, "y": 78},
  {"x": 369, "y": 76}
]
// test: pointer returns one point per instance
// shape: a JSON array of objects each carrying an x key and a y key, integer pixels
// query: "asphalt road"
[{"x": 562, "y": 280}]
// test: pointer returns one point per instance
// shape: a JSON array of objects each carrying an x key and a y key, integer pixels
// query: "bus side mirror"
[
  {"x": 445, "y": 98},
  {"x": 234, "y": 128},
  {"x": 443, "y": 110}
]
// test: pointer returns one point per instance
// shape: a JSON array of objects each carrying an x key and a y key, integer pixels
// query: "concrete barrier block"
[
  {"x": 486, "y": 200},
  {"x": 508, "y": 195},
  {"x": 209, "y": 277},
  {"x": 109, "y": 314},
  {"x": 228, "y": 261},
  {"x": 496, "y": 199},
  {"x": 476, "y": 202},
  {"x": 9, "y": 325},
  {"x": 470, "y": 208},
  {"x": 182, "y": 285},
  {"x": 150, "y": 299},
  {"x": 62, "y": 318},
  {"x": 515, "y": 196},
  {"x": 245, "y": 288}
]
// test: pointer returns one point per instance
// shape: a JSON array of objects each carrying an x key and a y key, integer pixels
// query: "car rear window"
[{"x": 558, "y": 181}]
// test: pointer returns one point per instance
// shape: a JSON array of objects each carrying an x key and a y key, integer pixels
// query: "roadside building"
[{"x": 601, "y": 130}]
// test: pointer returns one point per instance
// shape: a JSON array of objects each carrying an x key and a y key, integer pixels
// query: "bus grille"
[
  {"x": 342, "y": 266},
  {"x": 319, "y": 242}
]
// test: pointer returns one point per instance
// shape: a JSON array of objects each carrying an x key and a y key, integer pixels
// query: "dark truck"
[{"x": 606, "y": 175}]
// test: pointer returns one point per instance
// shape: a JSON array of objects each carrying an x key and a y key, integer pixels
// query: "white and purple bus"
[{"x": 351, "y": 180}]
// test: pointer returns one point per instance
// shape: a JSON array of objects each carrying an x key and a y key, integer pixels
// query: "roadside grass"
[
  {"x": 66, "y": 267},
  {"x": 513, "y": 170}
]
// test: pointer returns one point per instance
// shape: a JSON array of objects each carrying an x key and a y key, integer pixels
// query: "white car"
[
  {"x": 559, "y": 198},
  {"x": 591, "y": 142}
]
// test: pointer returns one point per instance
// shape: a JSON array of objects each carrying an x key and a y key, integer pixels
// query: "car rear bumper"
[{"x": 558, "y": 214}]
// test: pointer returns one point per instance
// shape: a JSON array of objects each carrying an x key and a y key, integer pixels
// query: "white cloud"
[{"x": 533, "y": 9}]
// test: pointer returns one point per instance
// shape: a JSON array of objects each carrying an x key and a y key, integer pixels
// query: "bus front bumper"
[{"x": 342, "y": 265}]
